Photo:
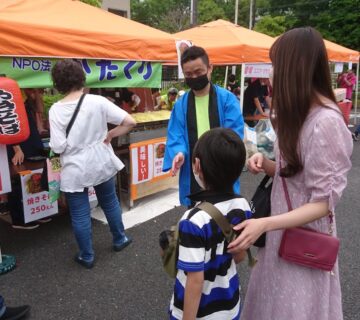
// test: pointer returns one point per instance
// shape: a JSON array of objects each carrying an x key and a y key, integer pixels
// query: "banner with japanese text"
[
  {"x": 36, "y": 72},
  {"x": 35, "y": 201},
  {"x": 257, "y": 70},
  {"x": 5, "y": 184}
]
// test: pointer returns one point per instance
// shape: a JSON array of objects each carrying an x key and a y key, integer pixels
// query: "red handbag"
[{"x": 308, "y": 247}]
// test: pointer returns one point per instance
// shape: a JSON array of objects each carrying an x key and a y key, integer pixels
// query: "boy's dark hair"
[
  {"x": 68, "y": 75},
  {"x": 232, "y": 78},
  {"x": 222, "y": 157},
  {"x": 194, "y": 52}
]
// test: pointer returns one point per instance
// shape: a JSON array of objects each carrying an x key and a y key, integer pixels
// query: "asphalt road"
[{"x": 131, "y": 284}]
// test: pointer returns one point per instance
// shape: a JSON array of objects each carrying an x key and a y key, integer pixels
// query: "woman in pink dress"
[{"x": 315, "y": 147}]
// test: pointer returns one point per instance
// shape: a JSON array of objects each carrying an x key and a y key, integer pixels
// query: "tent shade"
[
  {"x": 337, "y": 53},
  {"x": 229, "y": 44},
  {"x": 72, "y": 29}
]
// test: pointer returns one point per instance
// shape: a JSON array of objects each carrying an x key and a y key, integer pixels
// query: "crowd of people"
[{"x": 204, "y": 142}]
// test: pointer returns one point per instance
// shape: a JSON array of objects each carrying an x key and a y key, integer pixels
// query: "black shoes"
[
  {"x": 85, "y": 264},
  {"x": 355, "y": 136},
  {"x": 14, "y": 313},
  {"x": 122, "y": 245}
]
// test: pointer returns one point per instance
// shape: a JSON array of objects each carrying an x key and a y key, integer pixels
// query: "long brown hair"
[{"x": 301, "y": 75}]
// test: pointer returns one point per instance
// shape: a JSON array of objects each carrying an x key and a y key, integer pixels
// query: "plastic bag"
[
  {"x": 266, "y": 137},
  {"x": 250, "y": 141},
  {"x": 53, "y": 168}
]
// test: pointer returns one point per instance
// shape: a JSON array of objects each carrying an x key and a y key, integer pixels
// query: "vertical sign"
[{"x": 35, "y": 201}]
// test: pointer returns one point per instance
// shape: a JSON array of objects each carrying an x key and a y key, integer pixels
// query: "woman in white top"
[{"x": 87, "y": 157}]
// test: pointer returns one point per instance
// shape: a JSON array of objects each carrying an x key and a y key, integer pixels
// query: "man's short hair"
[
  {"x": 194, "y": 52},
  {"x": 222, "y": 157}
]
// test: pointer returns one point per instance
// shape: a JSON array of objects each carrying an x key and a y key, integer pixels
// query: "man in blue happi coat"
[{"x": 204, "y": 107}]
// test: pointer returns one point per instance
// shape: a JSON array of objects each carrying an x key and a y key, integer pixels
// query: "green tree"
[
  {"x": 95, "y": 3},
  {"x": 272, "y": 26},
  {"x": 167, "y": 15},
  {"x": 209, "y": 10}
]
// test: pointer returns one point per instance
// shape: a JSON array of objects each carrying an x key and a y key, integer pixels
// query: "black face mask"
[{"x": 197, "y": 83}]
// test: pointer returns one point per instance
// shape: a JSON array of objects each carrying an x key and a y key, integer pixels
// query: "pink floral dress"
[{"x": 279, "y": 290}]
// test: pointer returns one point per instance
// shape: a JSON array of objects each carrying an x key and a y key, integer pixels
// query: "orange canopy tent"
[
  {"x": 70, "y": 28},
  {"x": 337, "y": 53},
  {"x": 229, "y": 44}
]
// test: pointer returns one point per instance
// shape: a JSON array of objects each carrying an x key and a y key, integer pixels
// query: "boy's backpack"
[{"x": 169, "y": 239}]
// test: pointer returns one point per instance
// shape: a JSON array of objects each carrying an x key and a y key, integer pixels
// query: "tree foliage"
[
  {"x": 337, "y": 20},
  {"x": 95, "y": 3},
  {"x": 272, "y": 26}
]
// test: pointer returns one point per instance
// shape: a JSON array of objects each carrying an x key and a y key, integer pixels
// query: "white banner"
[
  {"x": 35, "y": 201},
  {"x": 5, "y": 184},
  {"x": 257, "y": 70},
  {"x": 339, "y": 67}
]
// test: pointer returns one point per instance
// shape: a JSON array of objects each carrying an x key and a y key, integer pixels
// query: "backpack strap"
[
  {"x": 224, "y": 225},
  {"x": 219, "y": 218}
]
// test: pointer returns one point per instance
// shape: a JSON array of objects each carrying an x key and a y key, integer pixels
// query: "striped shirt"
[{"x": 204, "y": 248}]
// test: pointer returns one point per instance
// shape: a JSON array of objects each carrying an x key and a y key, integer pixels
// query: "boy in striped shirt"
[{"x": 207, "y": 285}]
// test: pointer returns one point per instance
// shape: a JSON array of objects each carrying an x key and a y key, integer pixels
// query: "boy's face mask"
[{"x": 198, "y": 180}]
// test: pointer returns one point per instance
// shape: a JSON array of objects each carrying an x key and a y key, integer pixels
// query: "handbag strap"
[
  {"x": 288, "y": 201},
  {"x": 72, "y": 120}
]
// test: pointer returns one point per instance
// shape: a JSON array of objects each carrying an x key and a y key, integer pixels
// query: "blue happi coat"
[{"x": 177, "y": 135}]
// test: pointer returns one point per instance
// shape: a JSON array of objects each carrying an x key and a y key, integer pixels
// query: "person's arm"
[
  {"x": 176, "y": 146},
  {"x": 259, "y": 107},
  {"x": 252, "y": 229},
  {"x": 126, "y": 125},
  {"x": 58, "y": 141},
  {"x": 18, "y": 157},
  {"x": 193, "y": 290}
]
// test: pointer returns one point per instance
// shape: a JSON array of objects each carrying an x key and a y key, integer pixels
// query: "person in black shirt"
[{"x": 252, "y": 102}]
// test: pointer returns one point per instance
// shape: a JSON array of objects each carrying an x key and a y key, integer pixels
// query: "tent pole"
[
  {"x": 356, "y": 91},
  {"x": 226, "y": 76},
  {"x": 242, "y": 86}
]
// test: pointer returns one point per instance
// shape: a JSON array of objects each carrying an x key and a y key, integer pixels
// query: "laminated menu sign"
[
  {"x": 5, "y": 185},
  {"x": 35, "y": 201},
  {"x": 159, "y": 158}
]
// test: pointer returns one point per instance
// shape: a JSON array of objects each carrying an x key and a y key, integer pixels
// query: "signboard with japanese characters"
[
  {"x": 35, "y": 201},
  {"x": 5, "y": 185},
  {"x": 101, "y": 73},
  {"x": 146, "y": 162},
  {"x": 142, "y": 163},
  {"x": 257, "y": 70}
]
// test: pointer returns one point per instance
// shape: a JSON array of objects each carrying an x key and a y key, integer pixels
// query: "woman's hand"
[
  {"x": 252, "y": 229},
  {"x": 108, "y": 137},
  {"x": 255, "y": 163}
]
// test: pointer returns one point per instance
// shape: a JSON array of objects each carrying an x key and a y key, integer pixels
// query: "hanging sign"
[
  {"x": 101, "y": 73},
  {"x": 257, "y": 70}
]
